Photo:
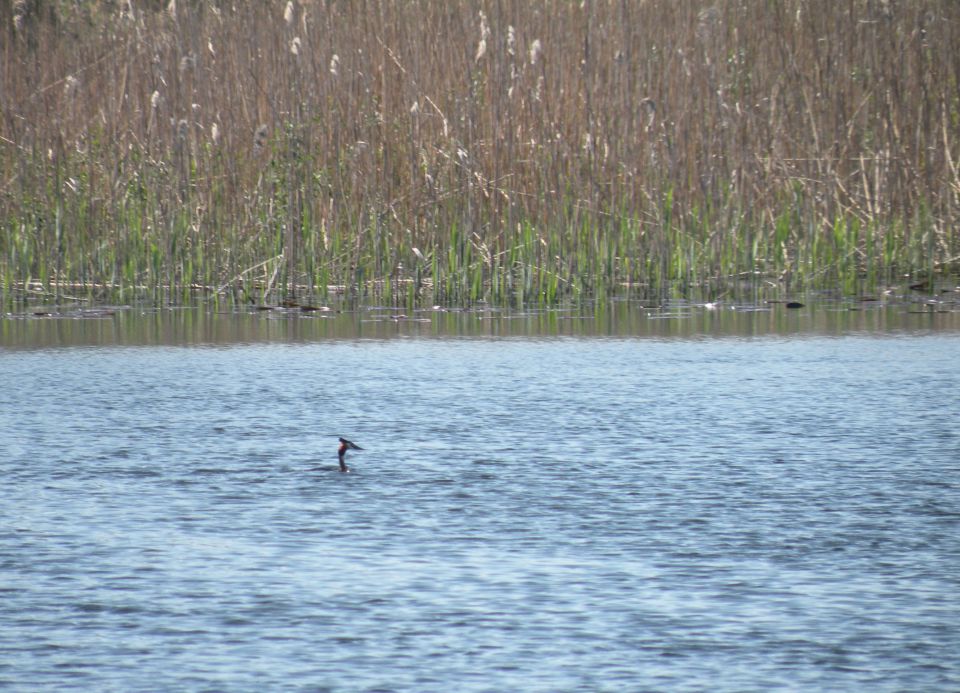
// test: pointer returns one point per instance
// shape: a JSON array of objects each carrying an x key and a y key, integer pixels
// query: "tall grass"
[{"x": 501, "y": 150}]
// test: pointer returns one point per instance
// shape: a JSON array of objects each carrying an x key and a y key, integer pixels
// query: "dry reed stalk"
[{"x": 700, "y": 126}]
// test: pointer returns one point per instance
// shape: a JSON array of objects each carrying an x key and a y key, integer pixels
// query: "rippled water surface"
[{"x": 578, "y": 513}]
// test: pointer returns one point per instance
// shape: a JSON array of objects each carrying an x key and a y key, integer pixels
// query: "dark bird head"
[
  {"x": 348, "y": 445},
  {"x": 342, "y": 451}
]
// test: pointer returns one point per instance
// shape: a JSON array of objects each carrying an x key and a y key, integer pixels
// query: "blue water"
[{"x": 528, "y": 514}]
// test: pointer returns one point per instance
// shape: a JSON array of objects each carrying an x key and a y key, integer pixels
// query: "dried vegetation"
[{"x": 508, "y": 151}]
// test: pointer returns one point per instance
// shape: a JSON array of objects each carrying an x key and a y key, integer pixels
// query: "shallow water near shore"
[
  {"x": 682, "y": 498},
  {"x": 66, "y": 325}
]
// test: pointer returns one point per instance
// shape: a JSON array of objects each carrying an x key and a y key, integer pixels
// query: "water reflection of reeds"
[{"x": 133, "y": 326}]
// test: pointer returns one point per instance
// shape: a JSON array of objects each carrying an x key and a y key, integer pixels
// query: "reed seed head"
[
  {"x": 19, "y": 11},
  {"x": 70, "y": 86},
  {"x": 484, "y": 35},
  {"x": 535, "y": 49}
]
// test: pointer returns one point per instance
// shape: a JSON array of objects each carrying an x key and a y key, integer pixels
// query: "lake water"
[{"x": 575, "y": 508}]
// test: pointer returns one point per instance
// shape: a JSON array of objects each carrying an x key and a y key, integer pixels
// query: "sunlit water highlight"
[{"x": 528, "y": 514}]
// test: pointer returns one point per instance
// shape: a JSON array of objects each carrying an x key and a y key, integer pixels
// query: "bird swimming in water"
[{"x": 342, "y": 452}]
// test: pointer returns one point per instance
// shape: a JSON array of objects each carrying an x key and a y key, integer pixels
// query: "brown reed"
[{"x": 499, "y": 149}]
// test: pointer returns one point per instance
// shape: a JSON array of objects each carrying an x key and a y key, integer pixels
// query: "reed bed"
[{"x": 459, "y": 151}]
